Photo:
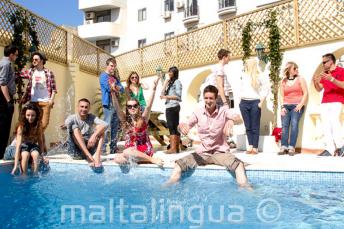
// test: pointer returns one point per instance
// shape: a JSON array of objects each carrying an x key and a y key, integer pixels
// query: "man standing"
[
  {"x": 8, "y": 89},
  {"x": 110, "y": 114},
  {"x": 331, "y": 80},
  {"x": 41, "y": 88},
  {"x": 85, "y": 134},
  {"x": 214, "y": 123}
]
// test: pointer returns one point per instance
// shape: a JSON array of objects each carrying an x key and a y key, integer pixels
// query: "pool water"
[{"x": 73, "y": 196}]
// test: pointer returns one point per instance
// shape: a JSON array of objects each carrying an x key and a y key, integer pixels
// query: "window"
[
  {"x": 226, "y": 3},
  {"x": 169, "y": 35},
  {"x": 104, "y": 44},
  {"x": 191, "y": 8},
  {"x": 103, "y": 16},
  {"x": 141, "y": 43},
  {"x": 169, "y": 5},
  {"x": 142, "y": 14}
]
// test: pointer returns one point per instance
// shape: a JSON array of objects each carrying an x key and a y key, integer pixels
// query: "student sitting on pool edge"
[
  {"x": 29, "y": 140},
  {"x": 214, "y": 124},
  {"x": 85, "y": 134},
  {"x": 135, "y": 129}
]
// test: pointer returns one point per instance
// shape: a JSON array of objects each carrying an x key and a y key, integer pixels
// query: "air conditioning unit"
[
  {"x": 90, "y": 15},
  {"x": 115, "y": 42},
  {"x": 180, "y": 5},
  {"x": 89, "y": 22},
  {"x": 167, "y": 15}
]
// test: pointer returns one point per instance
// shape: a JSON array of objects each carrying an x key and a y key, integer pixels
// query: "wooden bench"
[{"x": 158, "y": 128}]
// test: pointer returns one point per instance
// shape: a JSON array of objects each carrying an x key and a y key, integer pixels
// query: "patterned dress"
[{"x": 139, "y": 138}]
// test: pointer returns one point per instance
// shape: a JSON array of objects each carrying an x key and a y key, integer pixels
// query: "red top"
[
  {"x": 292, "y": 94},
  {"x": 139, "y": 138},
  {"x": 333, "y": 93}
]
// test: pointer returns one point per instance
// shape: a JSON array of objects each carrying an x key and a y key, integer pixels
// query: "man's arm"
[
  {"x": 220, "y": 87},
  {"x": 4, "y": 71},
  {"x": 104, "y": 84},
  {"x": 316, "y": 80},
  {"x": 329, "y": 77},
  {"x": 185, "y": 127}
]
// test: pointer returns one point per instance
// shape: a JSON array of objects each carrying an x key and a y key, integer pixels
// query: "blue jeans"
[
  {"x": 251, "y": 114},
  {"x": 110, "y": 116},
  {"x": 290, "y": 119}
]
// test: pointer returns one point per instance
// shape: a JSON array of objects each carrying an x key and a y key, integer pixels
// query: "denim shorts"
[
  {"x": 29, "y": 147},
  {"x": 10, "y": 153},
  {"x": 76, "y": 152}
]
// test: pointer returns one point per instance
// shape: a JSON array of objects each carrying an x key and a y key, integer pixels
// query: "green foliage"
[
  {"x": 275, "y": 57},
  {"x": 24, "y": 33},
  {"x": 246, "y": 41}
]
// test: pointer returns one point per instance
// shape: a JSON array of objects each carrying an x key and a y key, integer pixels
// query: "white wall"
[{"x": 308, "y": 59}]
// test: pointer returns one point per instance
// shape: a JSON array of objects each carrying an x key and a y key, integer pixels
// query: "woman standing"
[
  {"x": 254, "y": 88},
  {"x": 172, "y": 92},
  {"x": 294, "y": 95},
  {"x": 134, "y": 89}
]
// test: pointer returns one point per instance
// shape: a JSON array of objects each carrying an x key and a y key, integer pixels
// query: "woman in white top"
[{"x": 254, "y": 88}]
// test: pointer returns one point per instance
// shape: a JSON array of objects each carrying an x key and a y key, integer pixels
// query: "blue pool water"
[{"x": 207, "y": 199}]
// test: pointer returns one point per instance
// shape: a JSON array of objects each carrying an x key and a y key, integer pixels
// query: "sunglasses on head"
[{"x": 132, "y": 106}]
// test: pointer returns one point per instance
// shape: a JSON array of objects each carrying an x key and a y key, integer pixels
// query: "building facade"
[{"x": 118, "y": 26}]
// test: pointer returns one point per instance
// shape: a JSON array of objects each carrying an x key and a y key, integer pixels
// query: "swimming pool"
[{"x": 72, "y": 196}]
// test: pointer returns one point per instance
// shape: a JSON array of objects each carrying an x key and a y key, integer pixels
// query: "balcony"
[
  {"x": 226, "y": 7},
  {"x": 100, "y": 31},
  {"x": 191, "y": 14},
  {"x": 88, "y": 5}
]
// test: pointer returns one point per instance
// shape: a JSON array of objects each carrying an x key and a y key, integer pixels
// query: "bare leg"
[
  {"x": 25, "y": 161},
  {"x": 97, "y": 154},
  {"x": 35, "y": 161},
  {"x": 79, "y": 141},
  {"x": 241, "y": 177},
  {"x": 175, "y": 176},
  {"x": 135, "y": 153}
]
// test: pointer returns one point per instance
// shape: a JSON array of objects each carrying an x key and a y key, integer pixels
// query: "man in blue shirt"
[{"x": 110, "y": 114}]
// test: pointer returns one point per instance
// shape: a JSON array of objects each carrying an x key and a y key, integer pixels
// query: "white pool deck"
[{"x": 261, "y": 161}]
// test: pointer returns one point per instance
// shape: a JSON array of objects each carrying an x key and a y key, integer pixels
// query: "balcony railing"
[
  {"x": 191, "y": 14},
  {"x": 226, "y": 7}
]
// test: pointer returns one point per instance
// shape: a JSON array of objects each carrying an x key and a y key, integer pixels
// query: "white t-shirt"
[{"x": 39, "y": 90}]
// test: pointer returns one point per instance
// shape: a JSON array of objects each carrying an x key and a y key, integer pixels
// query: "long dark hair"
[
  {"x": 30, "y": 130},
  {"x": 175, "y": 72},
  {"x": 128, "y": 123}
]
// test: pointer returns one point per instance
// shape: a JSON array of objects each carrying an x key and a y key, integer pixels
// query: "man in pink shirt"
[
  {"x": 331, "y": 80},
  {"x": 214, "y": 123}
]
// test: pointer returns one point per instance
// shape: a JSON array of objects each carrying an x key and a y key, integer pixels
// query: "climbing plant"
[
  {"x": 24, "y": 33},
  {"x": 275, "y": 56},
  {"x": 246, "y": 41}
]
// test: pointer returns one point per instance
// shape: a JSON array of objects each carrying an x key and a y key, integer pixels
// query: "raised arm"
[
  {"x": 146, "y": 112},
  {"x": 120, "y": 113}
]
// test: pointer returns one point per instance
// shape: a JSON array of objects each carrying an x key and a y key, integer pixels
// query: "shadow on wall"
[{"x": 193, "y": 91}]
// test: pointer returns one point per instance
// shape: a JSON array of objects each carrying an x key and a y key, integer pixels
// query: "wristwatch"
[{"x": 332, "y": 79}]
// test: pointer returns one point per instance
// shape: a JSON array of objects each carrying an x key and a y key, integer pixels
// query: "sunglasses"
[
  {"x": 132, "y": 106},
  {"x": 134, "y": 77},
  {"x": 324, "y": 62}
]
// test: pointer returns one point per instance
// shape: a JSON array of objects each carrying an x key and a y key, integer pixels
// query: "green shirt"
[{"x": 140, "y": 97}]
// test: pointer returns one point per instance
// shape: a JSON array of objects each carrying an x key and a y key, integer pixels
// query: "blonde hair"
[
  {"x": 288, "y": 66},
  {"x": 251, "y": 69}
]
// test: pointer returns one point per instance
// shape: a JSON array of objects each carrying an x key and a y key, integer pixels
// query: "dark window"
[
  {"x": 141, "y": 43},
  {"x": 142, "y": 14},
  {"x": 169, "y": 5},
  {"x": 169, "y": 35},
  {"x": 104, "y": 44},
  {"x": 226, "y": 3},
  {"x": 103, "y": 16},
  {"x": 191, "y": 8}
]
